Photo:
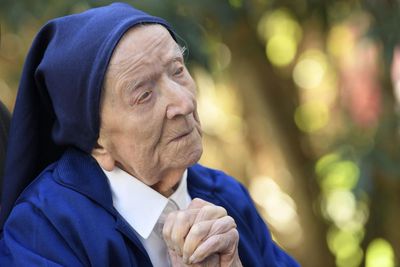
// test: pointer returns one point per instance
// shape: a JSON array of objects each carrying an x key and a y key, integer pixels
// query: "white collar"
[{"x": 139, "y": 204}]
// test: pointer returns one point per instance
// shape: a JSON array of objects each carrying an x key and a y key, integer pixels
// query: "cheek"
[
  {"x": 191, "y": 85},
  {"x": 138, "y": 136},
  {"x": 141, "y": 136}
]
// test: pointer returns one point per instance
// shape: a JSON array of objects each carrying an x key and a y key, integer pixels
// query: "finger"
[
  {"x": 210, "y": 261},
  {"x": 222, "y": 225},
  {"x": 173, "y": 257},
  {"x": 183, "y": 221},
  {"x": 198, "y": 203},
  {"x": 167, "y": 228},
  {"x": 175, "y": 260},
  {"x": 197, "y": 233},
  {"x": 224, "y": 244},
  {"x": 210, "y": 212},
  {"x": 203, "y": 230}
]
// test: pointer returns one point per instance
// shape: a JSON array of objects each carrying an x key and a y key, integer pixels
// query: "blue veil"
[{"x": 58, "y": 100}]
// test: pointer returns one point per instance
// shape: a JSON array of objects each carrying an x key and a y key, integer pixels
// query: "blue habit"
[{"x": 66, "y": 218}]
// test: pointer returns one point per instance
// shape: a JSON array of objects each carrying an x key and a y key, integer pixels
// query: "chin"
[
  {"x": 195, "y": 152},
  {"x": 189, "y": 156},
  {"x": 195, "y": 156}
]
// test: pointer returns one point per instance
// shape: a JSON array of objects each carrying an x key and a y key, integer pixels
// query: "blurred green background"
[{"x": 300, "y": 100}]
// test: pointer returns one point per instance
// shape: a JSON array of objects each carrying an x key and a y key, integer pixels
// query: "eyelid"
[
  {"x": 137, "y": 85},
  {"x": 140, "y": 100},
  {"x": 178, "y": 67},
  {"x": 179, "y": 70}
]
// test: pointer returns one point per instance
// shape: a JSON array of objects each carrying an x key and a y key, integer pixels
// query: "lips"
[{"x": 183, "y": 135}]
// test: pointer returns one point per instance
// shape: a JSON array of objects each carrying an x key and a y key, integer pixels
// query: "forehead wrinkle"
[
  {"x": 151, "y": 44},
  {"x": 126, "y": 62},
  {"x": 127, "y": 78},
  {"x": 123, "y": 65},
  {"x": 175, "y": 55},
  {"x": 118, "y": 72},
  {"x": 133, "y": 60}
]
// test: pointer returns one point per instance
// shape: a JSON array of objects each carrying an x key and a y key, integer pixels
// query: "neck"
[{"x": 169, "y": 183}]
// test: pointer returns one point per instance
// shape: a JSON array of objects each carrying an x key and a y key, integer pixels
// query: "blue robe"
[{"x": 65, "y": 217}]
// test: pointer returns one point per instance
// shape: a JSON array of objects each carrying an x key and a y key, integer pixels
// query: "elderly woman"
[{"x": 106, "y": 121}]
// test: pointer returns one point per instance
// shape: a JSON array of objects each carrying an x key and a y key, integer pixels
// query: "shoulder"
[
  {"x": 62, "y": 192},
  {"x": 216, "y": 181},
  {"x": 212, "y": 177},
  {"x": 43, "y": 190},
  {"x": 219, "y": 188},
  {"x": 53, "y": 210}
]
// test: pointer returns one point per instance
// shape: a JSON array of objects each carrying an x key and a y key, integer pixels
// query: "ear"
[{"x": 103, "y": 156}]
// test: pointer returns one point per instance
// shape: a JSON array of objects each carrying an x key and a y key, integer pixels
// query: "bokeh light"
[
  {"x": 346, "y": 246},
  {"x": 236, "y": 3},
  {"x": 341, "y": 206},
  {"x": 380, "y": 254},
  {"x": 278, "y": 208},
  {"x": 281, "y": 50},
  {"x": 220, "y": 106},
  {"x": 277, "y": 22},
  {"x": 340, "y": 41},
  {"x": 223, "y": 56},
  {"x": 310, "y": 69},
  {"x": 335, "y": 173},
  {"x": 311, "y": 116},
  {"x": 281, "y": 33}
]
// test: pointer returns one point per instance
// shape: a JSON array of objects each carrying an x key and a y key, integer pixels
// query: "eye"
[
  {"x": 146, "y": 95},
  {"x": 178, "y": 71}
]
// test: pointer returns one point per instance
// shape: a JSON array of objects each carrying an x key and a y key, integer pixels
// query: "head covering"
[{"x": 58, "y": 100}]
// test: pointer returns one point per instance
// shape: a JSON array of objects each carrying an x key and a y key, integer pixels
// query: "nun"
[{"x": 101, "y": 166}]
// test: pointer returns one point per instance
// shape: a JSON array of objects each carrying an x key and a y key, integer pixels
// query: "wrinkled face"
[{"x": 149, "y": 123}]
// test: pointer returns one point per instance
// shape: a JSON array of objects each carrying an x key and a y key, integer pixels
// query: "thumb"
[{"x": 198, "y": 203}]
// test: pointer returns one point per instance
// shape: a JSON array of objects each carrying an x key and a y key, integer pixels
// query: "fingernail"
[{"x": 191, "y": 259}]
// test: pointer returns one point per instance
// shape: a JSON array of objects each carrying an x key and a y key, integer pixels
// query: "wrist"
[{"x": 236, "y": 262}]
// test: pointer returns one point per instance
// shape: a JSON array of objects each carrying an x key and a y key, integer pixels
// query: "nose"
[{"x": 182, "y": 101}]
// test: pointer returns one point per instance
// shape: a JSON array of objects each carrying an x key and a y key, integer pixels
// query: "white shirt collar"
[{"x": 139, "y": 204}]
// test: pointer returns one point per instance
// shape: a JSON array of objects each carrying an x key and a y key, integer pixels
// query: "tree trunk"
[{"x": 269, "y": 96}]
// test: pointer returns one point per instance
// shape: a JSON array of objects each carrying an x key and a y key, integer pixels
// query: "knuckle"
[
  {"x": 222, "y": 210},
  {"x": 175, "y": 237},
  {"x": 171, "y": 216},
  {"x": 235, "y": 233},
  {"x": 196, "y": 229},
  {"x": 216, "y": 239},
  {"x": 202, "y": 201},
  {"x": 231, "y": 221},
  {"x": 180, "y": 216},
  {"x": 198, "y": 200},
  {"x": 206, "y": 209}
]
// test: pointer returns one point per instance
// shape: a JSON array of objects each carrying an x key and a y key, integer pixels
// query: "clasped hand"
[{"x": 202, "y": 235}]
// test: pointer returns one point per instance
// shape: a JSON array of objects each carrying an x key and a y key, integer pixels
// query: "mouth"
[{"x": 183, "y": 135}]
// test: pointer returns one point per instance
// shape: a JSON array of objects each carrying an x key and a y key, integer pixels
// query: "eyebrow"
[
  {"x": 182, "y": 50},
  {"x": 131, "y": 86},
  {"x": 178, "y": 55}
]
